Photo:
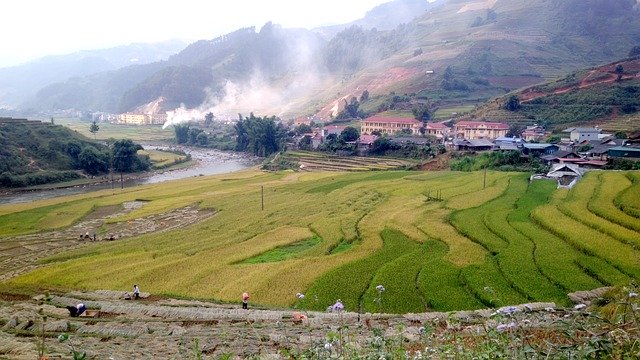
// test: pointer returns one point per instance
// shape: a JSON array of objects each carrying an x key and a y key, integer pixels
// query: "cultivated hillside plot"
[{"x": 434, "y": 240}]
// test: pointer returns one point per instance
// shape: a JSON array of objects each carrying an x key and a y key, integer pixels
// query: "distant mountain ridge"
[
  {"x": 17, "y": 83},
  {"x": 455, "y": 51}
]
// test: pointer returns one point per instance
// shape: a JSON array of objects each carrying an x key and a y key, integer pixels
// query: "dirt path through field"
[{"x": 21, "y": 254}]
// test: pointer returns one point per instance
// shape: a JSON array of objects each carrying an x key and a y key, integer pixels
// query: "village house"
[
  {"x": 471, "y": 130},
  {"x": 578, "y": 135},
  {"x": 472, "y": 145},
  {"x": 539, "y": 149},
  {"x": 390, "y": 125},
  {"x": 535, "y": 133},
  {"x": 439, "y": 130},
  {"x": 303, "y": 120},
  {"x": 332, "y": 129},
  {"x": 629, "y": 152},
  {"x": 566, "y": 174},
  {"x": 508, "y": 143}
]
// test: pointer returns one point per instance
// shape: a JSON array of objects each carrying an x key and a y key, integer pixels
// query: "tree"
[
  {"x": 620, "y": 71},
  {"x": 202, "y": 139},
  {"x": 93, "y": 128},
  {"x": 182, "y": 133},
  {"x": 125, "y": 156},
  {"x": 553, "y": 139},
  {"x": 515, "y": 130},
  {"x": 92, "y": 161},
  {"x": 635, "y": 51},
  {"x": 621, "y": 135},
  {"x": 350, "y": 109},
  {"x": 349, "y": 134},
  {"x": 421, "y": 112},
  {"x": 303, "y": 129},
  {"x": 193, "y": 135},
  {"x": 259, "y": 136},
  {"x": 208, "y": 119},
  {"x": 305, "y": 143},
  {"x": 365, "y": 96},
  {"x": 512, "y": 103}
]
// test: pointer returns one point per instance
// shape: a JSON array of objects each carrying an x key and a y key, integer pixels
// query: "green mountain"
[
  {"x": 35, "y": 152},
  {"x": 607, "y": 96},
  {"x": 457, "y": 52}
]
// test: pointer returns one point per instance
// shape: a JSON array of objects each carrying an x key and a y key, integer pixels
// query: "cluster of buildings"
[
  {"x": 587, "y": 147},
  {"x": 142, "y": 119}
]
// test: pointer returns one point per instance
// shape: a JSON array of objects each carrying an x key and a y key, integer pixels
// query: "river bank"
[{"x": 204, "y": 162}]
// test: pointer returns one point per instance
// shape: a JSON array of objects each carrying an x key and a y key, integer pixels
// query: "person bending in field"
[
  {"x": 136, "y": 292},
  {"x": 77, "y": 310},
  {"x": 245, "y": 300}
]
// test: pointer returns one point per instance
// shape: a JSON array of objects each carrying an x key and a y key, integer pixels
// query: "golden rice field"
[{"x": 434, "y": 240}]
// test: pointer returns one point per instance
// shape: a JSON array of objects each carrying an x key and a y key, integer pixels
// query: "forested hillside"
[{"x": 34, "y": 153}]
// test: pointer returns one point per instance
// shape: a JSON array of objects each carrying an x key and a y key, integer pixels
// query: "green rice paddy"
[{"x": 338, "y": 235}]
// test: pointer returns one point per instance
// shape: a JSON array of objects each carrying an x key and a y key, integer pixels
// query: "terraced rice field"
[
  {"x": 434, "y": 240},
  {"x": 310, "y": 161}
]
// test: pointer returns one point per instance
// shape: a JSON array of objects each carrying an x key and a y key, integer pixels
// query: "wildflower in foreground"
[
  {"x": 337, "y": 306},
  {"x": 300, "y": 296}
]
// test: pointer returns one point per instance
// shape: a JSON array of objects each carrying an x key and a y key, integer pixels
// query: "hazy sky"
[{"x": 34, "y": 28}]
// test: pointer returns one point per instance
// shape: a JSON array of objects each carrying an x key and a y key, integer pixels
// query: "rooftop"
[
  {"x": 480, "y": 124},
  {"x": 393, "y": 120},
  {"x": 538, "y": 146},
  {"x": 437, "y": 126}
]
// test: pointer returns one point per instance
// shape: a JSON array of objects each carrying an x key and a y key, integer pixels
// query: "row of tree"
[
  {"x": 121, "y": 156},
  {"x": 260, "y": 136}
]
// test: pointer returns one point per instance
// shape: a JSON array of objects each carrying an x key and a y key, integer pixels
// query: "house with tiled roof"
[
  {"x": 535, "y": 133},
  {"x": 332, "y": 129},
  {"x": 389, "y": 125},
  {"x": 437, "y": 129},
  {"x": 471, "y": 130}
]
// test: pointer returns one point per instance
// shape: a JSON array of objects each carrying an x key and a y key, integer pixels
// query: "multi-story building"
[
  {"x": 133, "y": 119},
  {"x": 389, "y": 125},
  {"x": 472, "y": 130},
  {"x": 158, "y": 119},
  {"x": 142, "y": 119}
]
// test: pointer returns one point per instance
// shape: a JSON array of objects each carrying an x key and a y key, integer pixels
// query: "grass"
[
  {"x": 335, "y": 235},
  {"x": 446, "y": 112},
  {"x": 284, "y": 252},
  {"x": 107, "y": 131},
  {"x": 163, "y": 159}
]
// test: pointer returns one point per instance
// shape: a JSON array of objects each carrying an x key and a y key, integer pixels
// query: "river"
[{"x": 208, "y": 162}]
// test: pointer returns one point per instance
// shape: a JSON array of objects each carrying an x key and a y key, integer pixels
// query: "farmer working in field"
[
  {"x": 77, "y": 310},
  {"x": 245, "y": 300}
]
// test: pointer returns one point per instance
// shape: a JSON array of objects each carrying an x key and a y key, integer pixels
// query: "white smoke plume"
[
  {"x": 255, "y": 95},
  {"x": 264, "y": 95}
]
